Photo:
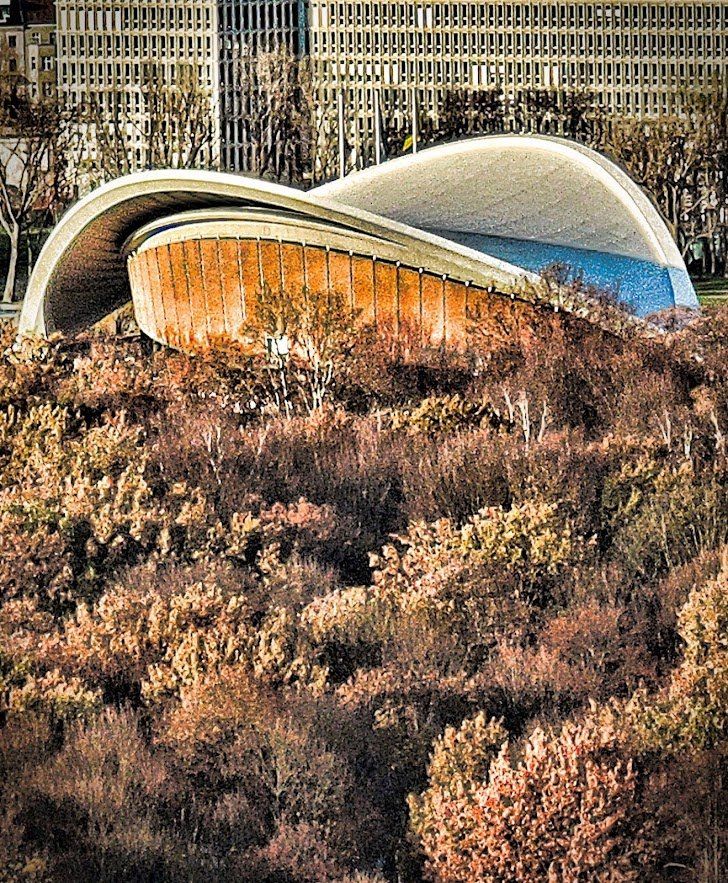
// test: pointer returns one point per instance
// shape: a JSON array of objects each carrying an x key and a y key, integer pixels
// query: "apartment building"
[
  {"x": 636, "y": 57},
  {"x": 112, "y": 53},
  {"x": 28, "y": 44}
]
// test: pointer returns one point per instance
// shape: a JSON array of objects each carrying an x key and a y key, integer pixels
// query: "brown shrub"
[{"x": 565, "y": 810}]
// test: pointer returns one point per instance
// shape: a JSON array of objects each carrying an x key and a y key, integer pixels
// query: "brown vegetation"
[{"x": 455, "y": 617}]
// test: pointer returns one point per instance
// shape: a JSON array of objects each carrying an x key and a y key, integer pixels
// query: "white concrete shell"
[
  {"x": 81, "y": 272},
  {"x": 435, "y": 205},
  {"x": 527, "y": 189}
]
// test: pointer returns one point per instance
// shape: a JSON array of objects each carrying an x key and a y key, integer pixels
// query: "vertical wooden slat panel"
[
  {"x": 248, "y": 254},
  {"x": 293, "y": 269},
  {"x": 432, "y": 313},
  {"x": 155, "y": 311},
  {"x": 340, "y": 275},
  {"x": 231, "y": 287},
  {"x": 146, "y": 306},
  {"x": 169, "y": 294},
  {"x": 507, "y": 312},
  {"x": 168, "y": 322},
  {"x": 177, "y": 257},
  {"x": 138, "y": 297},
  {"x": 385, "y": 287},
  {"x": 212, "y": 288},
  {"x": 270, "y": 262},
  {"x": 526, "y": 322},
  {"x": 455, "y": 321},
  {"x": 316, "y": 272},
  {"x": 496, "y": 318},
  {"x": 363, "y": 288},
  {"x": 193, "y": 292},
  {"x": 408, "y": 282},
  {"x": 193, "y": 265}
]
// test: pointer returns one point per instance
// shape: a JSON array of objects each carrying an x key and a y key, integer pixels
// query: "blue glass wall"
[{"x": 644, "y": 286}]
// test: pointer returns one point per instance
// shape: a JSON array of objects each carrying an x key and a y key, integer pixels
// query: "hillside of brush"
[{"x": 397, "y": 615}]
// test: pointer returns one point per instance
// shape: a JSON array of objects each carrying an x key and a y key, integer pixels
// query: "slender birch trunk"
[{"x": 11, "y": 280}]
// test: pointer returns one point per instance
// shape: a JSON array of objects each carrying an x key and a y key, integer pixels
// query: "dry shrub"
[
  {"x": 156, "y": 632},
  {"x": 564, "y": 809},
  {"x": 267, "y": 764},
  {"x": 686, "y": 796},
  {"x": 99, "y": 805},
  {"x": 170, "y": 540},
  {"x": 692, "y": 713},
  {"x": 297, "y": 853},
  {"x": 589, "y": 651},
  {"x": 453, "y": 476}
]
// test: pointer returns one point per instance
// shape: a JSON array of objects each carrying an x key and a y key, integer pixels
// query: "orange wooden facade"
[{"x": 193, "y": 293}]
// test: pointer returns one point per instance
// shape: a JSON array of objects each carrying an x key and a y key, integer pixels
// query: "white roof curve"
[
  {"x": 81, "y": 274},
  {"x": 528, "y": 187}
]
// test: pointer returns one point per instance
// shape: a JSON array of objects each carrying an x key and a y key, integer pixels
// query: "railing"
[{"x": 10, "y": 312}]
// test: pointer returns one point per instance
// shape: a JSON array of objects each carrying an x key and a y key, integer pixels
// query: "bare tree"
[
  {"x": 35, "y": 182},
  {"x": 171, "y": 127},
  {"x": 681, "y": 158},
  {"x": 279, "y": 120}
]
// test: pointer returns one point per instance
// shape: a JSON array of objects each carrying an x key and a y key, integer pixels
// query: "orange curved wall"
[{"x": 193, "y": 293}]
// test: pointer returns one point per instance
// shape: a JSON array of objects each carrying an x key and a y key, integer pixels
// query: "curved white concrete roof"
[
  {"x": 81, "y": 272},
  {"x": 521, "y": 186},
  {"x": 449, "y": 206}
]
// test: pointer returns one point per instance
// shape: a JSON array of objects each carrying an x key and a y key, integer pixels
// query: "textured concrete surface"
[{"x": 570, "y": 203}]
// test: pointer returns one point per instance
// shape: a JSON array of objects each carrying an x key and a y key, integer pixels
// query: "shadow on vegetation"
[{"x": 466, "y": 619}]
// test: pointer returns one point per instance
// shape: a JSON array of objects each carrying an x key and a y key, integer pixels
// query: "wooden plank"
[
  {"x": 363, "y": 288},
  {"x": 248, "y": 255},
  {"x": 410, "y": 304},
  {"x": 155, "y": 290},
  {"x": 210, "y": 268},
  {"x": 176, "y": 255},
  {"x": 340, "y": 275},
  {"x": 169, "y": 292},
  {"x": 316, "y": 269},
  {"x": 432, "y": 310},
  {"x": 270, "y": 262},
  {"x": 231, "y": 287},
  {"x": 139, "y": 298},
  {"x": 385, "y": 289},
  {"x": 155, "y": 311},
  {"x": 198, "y": 303},
  {"x": 294, "y": 275},
  {"x": 455, "y": 331}
]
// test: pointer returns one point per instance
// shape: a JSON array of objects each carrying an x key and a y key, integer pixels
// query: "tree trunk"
[{"x": 11, "y": 279}]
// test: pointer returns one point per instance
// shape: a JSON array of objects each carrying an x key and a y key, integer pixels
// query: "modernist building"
[
  {"x": 110, "y": 53},
  {"x": 636, "y": 57},
  {"x": 28, "y": 44},
  {"x": 421, "y": 243},
  {"x": 246, "y": 28}
]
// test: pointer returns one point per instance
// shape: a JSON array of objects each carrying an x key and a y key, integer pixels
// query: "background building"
[
  {"x": 636, "y": 58},
  {"x": 121, "y": 55},
  {"x": 28, "y": 44},
  {"x": 246, "y": 29},
  {"x": 122, "y": 58}
]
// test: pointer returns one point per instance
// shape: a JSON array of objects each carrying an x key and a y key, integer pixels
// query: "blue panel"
[{"x": 642, "y": 285}]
